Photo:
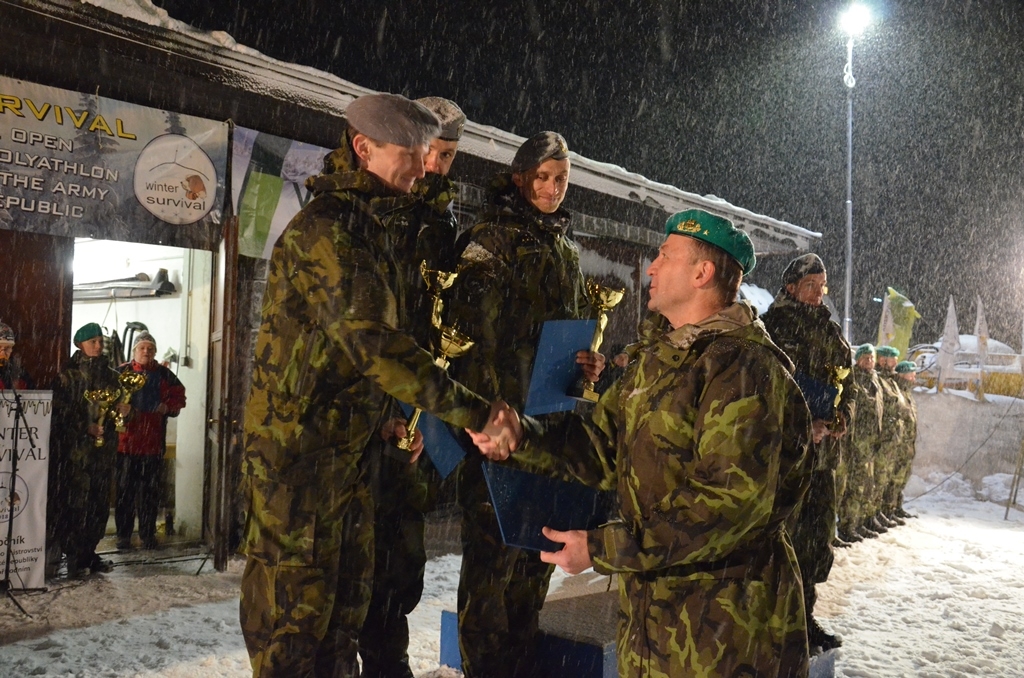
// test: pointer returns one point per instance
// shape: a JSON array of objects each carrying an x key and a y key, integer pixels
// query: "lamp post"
[{"x": 853, "y": 22}]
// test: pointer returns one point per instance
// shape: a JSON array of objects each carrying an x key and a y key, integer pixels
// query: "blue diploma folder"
[
  {"x": 525, "y": 502},
  {"x": 554, "y": 368},
  {"x": 820, "y": 397},
  {"x": 438, "y": 442}
]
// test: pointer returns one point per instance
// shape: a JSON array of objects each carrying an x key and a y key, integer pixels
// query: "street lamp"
[{"x": 853, "y": 22}]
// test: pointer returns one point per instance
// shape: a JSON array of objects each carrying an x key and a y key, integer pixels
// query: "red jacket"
[{"x": 146, "y": 429}]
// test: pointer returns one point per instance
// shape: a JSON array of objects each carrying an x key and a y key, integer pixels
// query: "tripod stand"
[{"x": 19, "y": 415}]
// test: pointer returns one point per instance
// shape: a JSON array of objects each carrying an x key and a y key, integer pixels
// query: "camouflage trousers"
[
  {"x": 306, "y": 585},
  {"x": 902, "y": 467},
  {"x": 501, "y": 590},
  {"x": 86, "y": 510},
  {"x": 812, "y": 532},
  {"x": 885, "y": 465},
  {"x": 401, "y": 496},
  {"x": 855, "y": 501},
  {"x": 704, "y": 626}
]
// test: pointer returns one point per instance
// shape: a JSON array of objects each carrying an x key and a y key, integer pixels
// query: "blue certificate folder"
[
  {"x": 820, "y": 397},
  {"x": 438, "y": 442},
  {"x": 525, "y": 502},
  {"x": 554, "y": 368}
]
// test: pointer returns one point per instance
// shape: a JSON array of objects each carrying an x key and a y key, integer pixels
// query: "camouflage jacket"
[
  {"x": 910, "y": 411},
  {"x": 815, "y": 344},
  {"x": 894, "y": 403},
  {"x": 705, "y": 437},
  {"x": 867, "y": 407},
  {"x": 329, "y": 350},
  {"x": 518, "y": 268},
  {"x": 72, "y": 413}
]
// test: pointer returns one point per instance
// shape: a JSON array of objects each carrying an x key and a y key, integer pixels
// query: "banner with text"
[
  {"x": 82, "y": 165},
  {"x": 268, "y": 186},
  {"x": 26, "y": 505}
]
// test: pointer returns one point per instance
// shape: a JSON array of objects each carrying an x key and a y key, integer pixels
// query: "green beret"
[
  {"x": 888, "y": 352},
  {"x": 864, "y": 350},
  {"x": 717, "y": 231},
  {"x": 87, "y": 332},
  {"x": 905, "y": 366}
]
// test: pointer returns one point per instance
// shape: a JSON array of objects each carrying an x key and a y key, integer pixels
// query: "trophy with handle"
[
  {"x": 130, "y": 383},
  {"x": 603, "y": 299},
  {"x": 451, "y": 343},
  {"x": 102, "y": 398}
]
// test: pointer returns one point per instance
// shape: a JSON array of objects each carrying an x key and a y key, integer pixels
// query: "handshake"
[{"x": 502, "y": 434}]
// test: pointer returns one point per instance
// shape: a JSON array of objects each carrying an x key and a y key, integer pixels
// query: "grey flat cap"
[
  {"x": 453, "y": 120},
  {"x": 537, "y": 149},
  {"x": 393, "y": 119}
]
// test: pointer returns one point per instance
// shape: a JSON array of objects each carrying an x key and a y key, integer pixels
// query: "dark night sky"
[{"x": 740, "y": 98}]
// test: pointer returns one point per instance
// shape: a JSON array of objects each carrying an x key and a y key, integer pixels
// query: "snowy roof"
[{"x": 331, "y": 94}]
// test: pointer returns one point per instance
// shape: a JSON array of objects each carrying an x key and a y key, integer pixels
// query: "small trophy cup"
[
  {"x": 130, "y": 383},
  {"x": 102, "y": 398},
  {"x": 603, "y": 299},
  {"x": 451, "y": 344}
]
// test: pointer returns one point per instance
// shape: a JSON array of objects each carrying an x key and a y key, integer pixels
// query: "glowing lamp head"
[{"x": 854, "y": 20}]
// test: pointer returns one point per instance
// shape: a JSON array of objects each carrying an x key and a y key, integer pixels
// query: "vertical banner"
[
  {"x": 268, "y": 186},
  {"x": 82, "y": 165},
  {"x": 27, "y": 510}
]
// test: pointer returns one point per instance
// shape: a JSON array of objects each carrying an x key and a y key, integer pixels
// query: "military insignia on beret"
[
  {"x": 562, "y": 148},
  {"x": 689, "y": 226}
]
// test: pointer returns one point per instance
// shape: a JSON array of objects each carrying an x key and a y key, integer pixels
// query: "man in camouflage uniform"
[
  {"x": 328, "y": 355},
  {"x": 518, "y": 269},
  {"x": 906, "y": 371},
  {"x": 705, "y": 437},
  {"x": 891, "y": 439},
  {"x": 856, "y": 485},
  {"x": 404, "y": 491},
  {"x": 802, "y": 326}
]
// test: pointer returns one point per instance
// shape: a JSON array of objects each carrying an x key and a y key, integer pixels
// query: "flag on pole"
[
  {"x": 897, "y": 322},
  {"x": 950, "y": 344}
]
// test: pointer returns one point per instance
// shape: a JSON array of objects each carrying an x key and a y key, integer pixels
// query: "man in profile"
[
  {"x": 328, "y": 355},
  {"x": 705, "y": 438}
]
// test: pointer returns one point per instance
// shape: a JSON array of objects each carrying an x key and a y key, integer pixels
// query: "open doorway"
[{"x": 126, "y": 286}]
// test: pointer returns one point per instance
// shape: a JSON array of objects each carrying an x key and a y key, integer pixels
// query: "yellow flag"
[{"x": 897, "y": 323}]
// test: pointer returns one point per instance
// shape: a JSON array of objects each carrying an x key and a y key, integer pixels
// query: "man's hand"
[
  {"x": 819, "y": 429},
  {"x": 95, "y": 430},
  {"x": 574, "y": 557},
  {"x": 839, "y": 430},
  {"x": 591, "y": 363},
  {"x": 501, "y": 436},
  {"x": 395, "y": 429}
]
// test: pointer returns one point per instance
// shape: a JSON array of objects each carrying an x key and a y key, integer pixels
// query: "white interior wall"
[{"x": 180, "y": 324}]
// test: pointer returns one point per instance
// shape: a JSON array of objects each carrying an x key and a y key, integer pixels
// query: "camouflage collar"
[
  {"x": 436, "y": 191},
  {"x": 785, "y": 301},
  {"x": 505, "y": 200},
  {"x": 730, "y": 318}
]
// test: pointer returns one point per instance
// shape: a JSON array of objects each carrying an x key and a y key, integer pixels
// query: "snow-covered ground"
[{"x": 941, "y": 597}]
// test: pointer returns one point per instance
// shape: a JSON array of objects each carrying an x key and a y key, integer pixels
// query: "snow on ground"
[{"x": 941, "y": 597}]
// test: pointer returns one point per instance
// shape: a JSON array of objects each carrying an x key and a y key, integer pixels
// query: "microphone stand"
[{"x": 19, "y": 415}]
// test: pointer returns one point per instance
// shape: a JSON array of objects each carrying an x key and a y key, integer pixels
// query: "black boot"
[
  {"x": 875, "y": 525},
  {"x": 895, "y": 519},
  {"x": 902, "y": 513},
  {"x": 818, "y": 637},
  {"x": 866, "y": 532},
  {"x": 850, "y": 536},
  {"x": 839, "y": 543}
]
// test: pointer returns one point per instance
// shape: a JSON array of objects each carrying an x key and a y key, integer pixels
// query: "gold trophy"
[
  {"x": 603, "y": 299},
  {"x": 102, "y": 398},
  {"x": 130, "y": 383},
  {"x": 451, "y": 342}
]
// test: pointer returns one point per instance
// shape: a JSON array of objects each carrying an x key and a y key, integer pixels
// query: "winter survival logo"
[
  {"x": 175, "y": 180},
  {"x": 20, "y": 499}
]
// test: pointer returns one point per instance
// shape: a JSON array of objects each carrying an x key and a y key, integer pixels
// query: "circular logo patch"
[
  {"x": 20, "y": 497},
  {"x": 175, "y": 180}
]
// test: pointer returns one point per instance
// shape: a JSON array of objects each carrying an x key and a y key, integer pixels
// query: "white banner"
[{"x": 28, "y": 539}]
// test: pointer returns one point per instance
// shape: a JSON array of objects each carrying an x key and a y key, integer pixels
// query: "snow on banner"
[
  {"x": 82, "y": 165},
  {"x": 28, "y": 540}
]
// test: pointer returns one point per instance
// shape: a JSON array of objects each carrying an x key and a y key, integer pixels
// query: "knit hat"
[
  {"x": 717, "y": 231},
  {"x": 6, "y": 335},
  {"x": 451, "y": 117},
  {"x": 805, "y": 264},
  {"x": 87, "y": 332},
  {"x": 537, "y": 149},
  {"x": 904, "y": 366},
  {"x": 863, "y": 350},
  {"x": 393, "y": 119},
  {"x": 143, "y": 336},
  {"x": 887, "y": 352}
]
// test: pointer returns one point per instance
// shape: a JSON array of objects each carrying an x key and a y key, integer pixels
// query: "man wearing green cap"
[
  {"x": 857, "y": 469},
  {"x": 83, "y": 453},
  {"x": 705, "y": 438},
  {"x": 891, "y": 440},
  {"x": 518, "y": 268},
  {"x": 801, "y": 325},
  {"x": 423, "y": 232},
  {"x": 907, "y": 373}
]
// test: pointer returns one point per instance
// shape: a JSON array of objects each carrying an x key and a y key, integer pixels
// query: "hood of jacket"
[{"x": 505, "y": 200}]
